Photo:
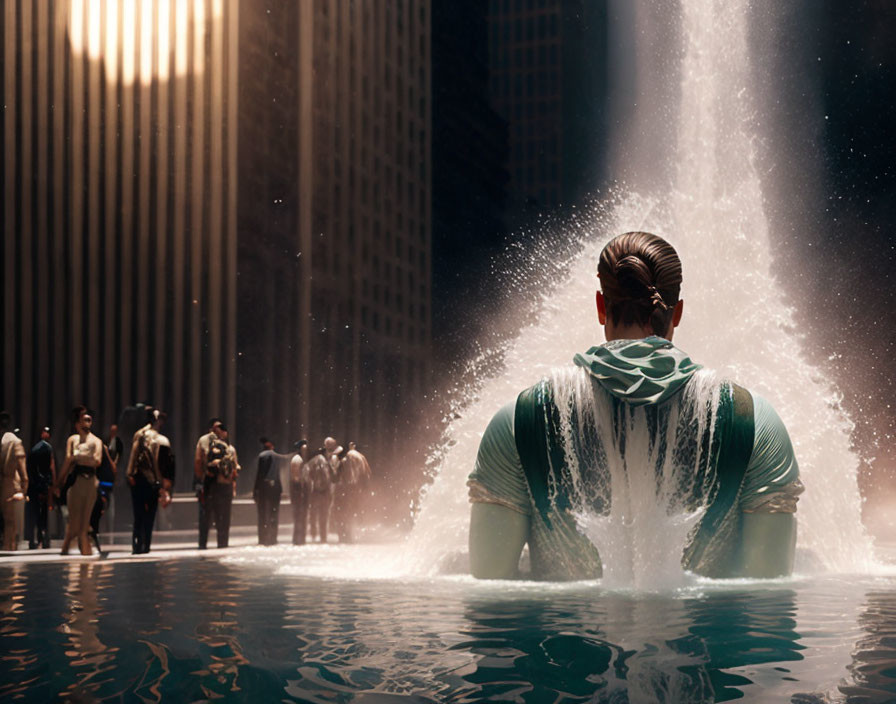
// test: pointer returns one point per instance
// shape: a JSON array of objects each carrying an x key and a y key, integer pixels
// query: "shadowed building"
[
  {"x": 334, "y": 232},
  {"x": 218, "y": 208},
  {"x": 548, "y": 79},
  {"x": 470, "y": 177},
  {"x": 119, "y": 210}
]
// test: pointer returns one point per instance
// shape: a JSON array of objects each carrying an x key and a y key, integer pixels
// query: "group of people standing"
[
  {"x": 326, "y": 485},
  {"x": 325, "y": 489},
  {"x": 83, "y": 483}
]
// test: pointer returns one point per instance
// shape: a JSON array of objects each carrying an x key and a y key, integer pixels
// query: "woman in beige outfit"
[{"x": 83, "y": 454}]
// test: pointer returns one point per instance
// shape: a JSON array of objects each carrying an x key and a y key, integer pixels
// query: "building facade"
[
  {"x": 220, "y": 208},
  {"x": 335, "y": 235},
  {"x": 548, "y": 79},
  {"x": 119, "y": 211},
  {"x": 470, "y": 178}
]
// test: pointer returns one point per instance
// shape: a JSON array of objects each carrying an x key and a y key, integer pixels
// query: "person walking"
[
  {"x": 203, "y": 480},
  {"x": 267, "y": 492},
  {"x": 83, "y": 454},
  {"x": 353, "y": 477},
  {"x": 115, "y": 445},
  {"x": 221, "y": 470},
  {"x": 105, "y": 475},
  {"x": 41, "y": 466},
  {"x": 299, "y": 492},
  {"x": 144, "y": 474},
  {"x": 14, "y": 485},
  {"x": 321, "y": 484}
]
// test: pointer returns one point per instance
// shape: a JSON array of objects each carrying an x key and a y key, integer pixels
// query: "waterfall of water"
[
  {"x": 638, "y": 480},
  {"x": 735, "y": 320}
]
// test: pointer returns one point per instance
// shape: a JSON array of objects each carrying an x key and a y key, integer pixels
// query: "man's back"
[
  {"x": 319, "y": 474},
  {"x": 575, "y": 445}
]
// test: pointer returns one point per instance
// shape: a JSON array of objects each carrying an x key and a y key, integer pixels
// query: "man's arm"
[
  {"x": 497, "y": 537},
  {"x": 21, "y": 468},
  {"x": 768, "y": 542},
  {"x": 199, "y": 462},
  {"x": 257, "y": 480},
  {"x": 499, "y": 516},
  {"x": 769, "y": 499},
  {"x": 66, "y": 465}
]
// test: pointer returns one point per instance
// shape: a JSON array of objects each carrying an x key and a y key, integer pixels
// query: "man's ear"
[
  {"x": 676, "y": 316},
  {"x": 601, "y": 308}
]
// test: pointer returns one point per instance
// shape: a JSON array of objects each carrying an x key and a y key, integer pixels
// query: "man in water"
[
  {"x": 41, "y": 465},
  {"x": 634, "y": 406}
]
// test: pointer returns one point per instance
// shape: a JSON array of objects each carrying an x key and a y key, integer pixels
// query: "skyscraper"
[
  {"x": 219, "y": 210},
  {"x": 119, "y": 210},
  {"x": 340, "y": 238},
  {"x": 548, "y": 80},
  {"x": 469, "y": 174}
]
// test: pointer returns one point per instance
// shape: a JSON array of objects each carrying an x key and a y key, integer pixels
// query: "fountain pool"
[
  {"x": 297, "y": 624},
  {"x": 401, "y": 622}
]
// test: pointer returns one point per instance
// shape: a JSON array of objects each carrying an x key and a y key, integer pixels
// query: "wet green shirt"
[{"x": 749, "y": 457}]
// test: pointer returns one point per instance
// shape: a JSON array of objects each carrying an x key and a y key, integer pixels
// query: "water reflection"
[
  {"x": 91, "y": 660},
  {"x": 616, "y": 647},
  {"x": 217, "y": 598},
  {"x": 198, "y": 629},
  {"x": 873, "y": 668}
]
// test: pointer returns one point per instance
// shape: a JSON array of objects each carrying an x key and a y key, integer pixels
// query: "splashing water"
[
  {"x": 631, "y": 479},
  {"x": 735, "y": 321}
]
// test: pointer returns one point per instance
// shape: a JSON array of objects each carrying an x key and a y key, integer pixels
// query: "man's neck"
[{"x": 630, "y": 332}]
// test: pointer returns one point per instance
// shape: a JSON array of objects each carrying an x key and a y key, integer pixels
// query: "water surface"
[{"x": 255, "y": 628}]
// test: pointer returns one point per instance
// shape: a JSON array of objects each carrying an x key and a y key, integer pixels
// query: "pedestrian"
[
  {"x": 14, "y": 482},
  {"x": 144, "y": 473},
  {"x": 353, "y": 478},
  {"x": 41, "y": 465},
  {"x": 115, "y": 445},
  {"x": 267, "y": 492},
  {"x": 203, "y": 480},
  {"x": 299, "y": 492},
  {"x": 221, "y": 467},
  {"x": 83, "y": 454},
  {"x": 321, "y": 482},
  {"x": 105, "y": 475}
]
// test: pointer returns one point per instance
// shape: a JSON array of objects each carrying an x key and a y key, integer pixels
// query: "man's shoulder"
[
  {"x": 12, "y": 441},
  {"x": 10, "y": 436}
]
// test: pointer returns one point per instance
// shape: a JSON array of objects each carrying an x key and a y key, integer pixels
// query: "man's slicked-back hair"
[{"x": 640, "y": 278}]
